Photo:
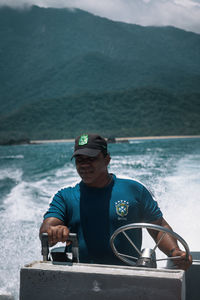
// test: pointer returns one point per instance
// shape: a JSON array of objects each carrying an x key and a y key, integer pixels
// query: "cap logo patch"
[{"x": 83, "y": 140}]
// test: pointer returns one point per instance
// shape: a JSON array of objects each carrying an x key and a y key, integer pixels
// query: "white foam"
[
  {"x": 136, "y": 142},
  {"x": 12, "y": 173},
  {"x": 19, "y": 156},
  {"x": 23, "y": 212},
  {"x": 19, "y": 203},
  {"x": 29, "y": 200},
  {"x": 67, "y": 175},
  {"x": 20, "y": 246},
  {"x": 180, "y": 200}
]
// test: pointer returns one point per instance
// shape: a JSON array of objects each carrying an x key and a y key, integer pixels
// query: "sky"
[{"x": 184, "y": 14}]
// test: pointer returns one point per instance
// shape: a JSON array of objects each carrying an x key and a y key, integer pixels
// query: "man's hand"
[
  {"x": 169, "y": 246},
  {"x": 56, "y": 229},
  {"x": 59, "y": 233},
  {"x": 182, "y": 262}
]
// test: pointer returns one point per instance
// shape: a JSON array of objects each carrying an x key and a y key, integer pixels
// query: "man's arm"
[
  {"x": 57, "y": 231},
  {"x": 169, "y": 245}
]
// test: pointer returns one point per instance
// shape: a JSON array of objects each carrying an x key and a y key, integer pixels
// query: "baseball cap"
[{"x": 90, "y": 145}]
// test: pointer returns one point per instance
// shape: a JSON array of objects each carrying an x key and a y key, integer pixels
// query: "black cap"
[{"x": 90, "y": 145}]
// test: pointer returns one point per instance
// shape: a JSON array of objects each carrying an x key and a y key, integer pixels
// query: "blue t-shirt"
[{"x": 95, "y": 213}]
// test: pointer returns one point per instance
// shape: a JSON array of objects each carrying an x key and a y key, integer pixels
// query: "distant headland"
[
  {"x": 12, "y": 142},
  {"x": 120, "y": 139}
]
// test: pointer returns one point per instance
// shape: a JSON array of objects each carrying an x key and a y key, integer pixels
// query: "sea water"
[{"x": 31, "y": 174}]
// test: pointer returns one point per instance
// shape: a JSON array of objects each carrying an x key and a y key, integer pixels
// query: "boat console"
[{"x": 61, "y": 276}]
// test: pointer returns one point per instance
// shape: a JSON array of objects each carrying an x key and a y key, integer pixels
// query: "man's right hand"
[
  {"x": 59, "y": 233},
  {"x": 56, "y": 229}
]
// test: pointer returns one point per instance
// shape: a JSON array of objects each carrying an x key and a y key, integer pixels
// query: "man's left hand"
[{"x": 183, "y": 262}]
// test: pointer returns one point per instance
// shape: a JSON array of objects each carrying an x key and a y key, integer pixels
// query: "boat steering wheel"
[{"x": 147, "y": 257}]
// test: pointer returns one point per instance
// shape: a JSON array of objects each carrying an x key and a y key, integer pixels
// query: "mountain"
[{"x": 59, "y": 60}]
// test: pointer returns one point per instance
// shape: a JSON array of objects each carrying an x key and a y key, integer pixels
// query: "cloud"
[{"x": 183, "y": 14}]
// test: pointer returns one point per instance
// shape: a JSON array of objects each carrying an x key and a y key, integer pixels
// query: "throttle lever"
[{"x": 74, "y": 244}]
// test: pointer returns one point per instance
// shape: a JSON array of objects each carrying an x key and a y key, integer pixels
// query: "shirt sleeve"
[
  {"x": 150, "y": 210},
  {"x": 57, "y": 207}
]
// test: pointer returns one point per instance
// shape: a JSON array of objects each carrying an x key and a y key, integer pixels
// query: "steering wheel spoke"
[
  {"x": 131, "y": 242},
  {"x": 161, "y": 238},
  {"x": 128, "y": 256}
]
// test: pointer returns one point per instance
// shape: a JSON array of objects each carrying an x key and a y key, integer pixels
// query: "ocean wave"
[
  {"x": 20, "y": 204},
  {"x": 136, "y": 142},
  {"x": 28, "y": 200},
  {"x": 12, "y": 173},
  {"x": 12, "y": 157}
]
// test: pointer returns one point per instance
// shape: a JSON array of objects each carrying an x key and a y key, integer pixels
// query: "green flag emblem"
[{"x": 83, "y": 140}]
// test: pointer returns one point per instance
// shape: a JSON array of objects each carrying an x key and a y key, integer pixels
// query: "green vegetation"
[
  {"x": 65, "y": 72},
  {"x": 138, "y": 112}
]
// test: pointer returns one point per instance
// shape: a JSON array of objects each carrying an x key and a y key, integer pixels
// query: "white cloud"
[{"x": 184, "y": 14}]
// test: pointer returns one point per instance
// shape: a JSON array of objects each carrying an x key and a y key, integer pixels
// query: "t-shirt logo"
[
  {"x": 122, "y": 208},
  {"x": 83, "y": 140}
]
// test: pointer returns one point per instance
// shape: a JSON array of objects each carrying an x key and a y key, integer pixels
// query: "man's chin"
[{"x": 87, "y": 179}]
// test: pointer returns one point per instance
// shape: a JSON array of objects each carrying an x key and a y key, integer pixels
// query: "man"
[{"x": 100, "y": 204}]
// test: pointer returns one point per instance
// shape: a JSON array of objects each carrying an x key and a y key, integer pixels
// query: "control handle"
[{"x": 74, "y": 245}]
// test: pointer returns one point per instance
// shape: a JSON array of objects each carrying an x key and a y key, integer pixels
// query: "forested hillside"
[{"x": 63, "y": 72}]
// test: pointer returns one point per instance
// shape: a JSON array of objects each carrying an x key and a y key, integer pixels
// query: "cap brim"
[{"x": 86, "y": 151}]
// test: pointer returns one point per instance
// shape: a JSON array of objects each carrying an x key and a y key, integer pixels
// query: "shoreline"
[{"x": 120, "y": 139}]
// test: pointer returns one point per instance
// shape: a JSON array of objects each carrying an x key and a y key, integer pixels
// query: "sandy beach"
[{"x": 120, "y": 139}]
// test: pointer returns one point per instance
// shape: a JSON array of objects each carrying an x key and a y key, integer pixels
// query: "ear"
[{"x": 107, "y": 159}]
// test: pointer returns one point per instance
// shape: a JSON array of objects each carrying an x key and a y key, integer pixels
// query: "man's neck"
[{"x": 101, "y": 182}]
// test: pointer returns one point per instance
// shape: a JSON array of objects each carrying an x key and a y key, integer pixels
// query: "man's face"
[{"x": 92, "y": 169}]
